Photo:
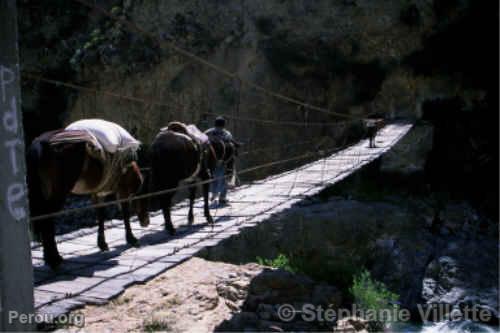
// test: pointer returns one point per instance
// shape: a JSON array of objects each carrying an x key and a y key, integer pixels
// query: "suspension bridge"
[{"x": 89, "y": 276}]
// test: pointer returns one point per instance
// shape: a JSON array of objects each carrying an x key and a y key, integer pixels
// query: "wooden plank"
[
  {"x": 16, "y": 273},
  {"x": 69, "y": 285},
  {"x": 56, "y": 309},
  {"x": 103, "y": 270},
  {"x": 107, "y": 290},
  {"x": 148, "y": 272},
  {"x": 45, "y": 297}
]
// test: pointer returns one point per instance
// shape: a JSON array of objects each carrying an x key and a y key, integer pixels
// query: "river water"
[{"x": 462, "y": 326}]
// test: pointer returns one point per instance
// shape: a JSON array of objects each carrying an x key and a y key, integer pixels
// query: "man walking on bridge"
[{"x": 218, "y": 187}]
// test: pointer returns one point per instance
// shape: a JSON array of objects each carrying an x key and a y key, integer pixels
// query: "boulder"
[{"x": 352, "y": 325}]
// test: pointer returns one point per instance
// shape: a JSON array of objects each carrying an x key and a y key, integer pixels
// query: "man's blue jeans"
[{"x": 218, "y": 187}]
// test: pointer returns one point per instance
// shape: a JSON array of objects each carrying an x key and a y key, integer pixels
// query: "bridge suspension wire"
[
  {"x": 151, "y": 102},
  {"x": 36, "y": 77},
  {"x": 134, "y": 28},
  {"x": 181, "y": 187}
]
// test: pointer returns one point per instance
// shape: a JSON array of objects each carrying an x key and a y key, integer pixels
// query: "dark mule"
[
  {"x": 372, "y": 127},
  {"x": 54, "y": 171},
  {"x": 178, "y": 156}
]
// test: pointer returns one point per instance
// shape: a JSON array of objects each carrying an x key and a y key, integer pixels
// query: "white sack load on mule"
[
  {"x": 111, "y": 136},
  {"x": 117, "y": 149}
]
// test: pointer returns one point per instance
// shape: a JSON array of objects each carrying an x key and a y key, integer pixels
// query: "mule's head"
[{"x": 133, "y": 183}]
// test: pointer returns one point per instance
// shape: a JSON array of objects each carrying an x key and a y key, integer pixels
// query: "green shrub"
[
  {"x": 281, "y": 261},
  {"x": 370, "y": 294},
  {"x": 336, "y": 272}
]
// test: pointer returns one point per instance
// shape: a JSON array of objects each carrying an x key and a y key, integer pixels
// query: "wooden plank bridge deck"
[{"x": 89, "y": 276}]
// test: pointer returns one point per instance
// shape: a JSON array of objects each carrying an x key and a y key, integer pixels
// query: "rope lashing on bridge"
[
  {"x": 132, "y": 27},
  {"x": 182, "y": 187}
]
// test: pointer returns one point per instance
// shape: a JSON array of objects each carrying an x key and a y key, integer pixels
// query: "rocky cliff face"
[{"x": 349, "y": 56}]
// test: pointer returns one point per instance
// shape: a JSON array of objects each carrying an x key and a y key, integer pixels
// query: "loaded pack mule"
[
  {"x": 183, "y": 153},
  {"x": 92, "y": 157}
]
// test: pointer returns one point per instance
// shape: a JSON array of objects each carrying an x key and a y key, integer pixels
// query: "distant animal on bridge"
[
  {"x": 372, "y": 127},
  {"x": 184, "y": 153},
  {"x": 72, "y": 160}
]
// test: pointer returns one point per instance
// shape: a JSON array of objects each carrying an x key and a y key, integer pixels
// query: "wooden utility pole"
[{"x": 16, "y": 271}]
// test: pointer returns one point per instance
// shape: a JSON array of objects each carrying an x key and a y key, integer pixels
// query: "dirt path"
[{"x": 182, "y": 299}]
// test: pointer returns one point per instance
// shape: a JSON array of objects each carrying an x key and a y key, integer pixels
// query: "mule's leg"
[
  {"x": 129, "y": 236},
  {"x": 45, "y": 229},
  {"x": 192, "y": 195},
  {"x": 50, "y": 253},
  {"x": 372, "y": 139},
  {"x": 101, "y": 240},
  {"x": 166, "y": 205}
]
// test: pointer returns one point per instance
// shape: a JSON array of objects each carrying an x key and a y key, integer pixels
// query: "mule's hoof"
[
  {"x": 171, "y": 231},
  {"x": 132, "y": 241},
  {"x": 103, "y": 246},
  {"x": 210, "y": 220},
  {"x": 190, "y": 220}
]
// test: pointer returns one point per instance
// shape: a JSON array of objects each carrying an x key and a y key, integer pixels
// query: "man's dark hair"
[{"x": 220, "y": 122}]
